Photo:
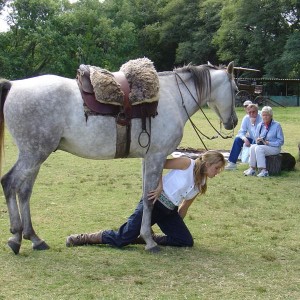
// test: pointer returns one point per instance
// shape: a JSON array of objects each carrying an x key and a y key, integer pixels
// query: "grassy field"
[{"x": 246, "y": 231}]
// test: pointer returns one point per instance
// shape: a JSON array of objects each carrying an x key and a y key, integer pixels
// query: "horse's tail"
[{"x": 5, "y": 86}]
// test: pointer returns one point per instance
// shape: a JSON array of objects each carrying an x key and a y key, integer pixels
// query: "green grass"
[{"x": 246, "y": 232}]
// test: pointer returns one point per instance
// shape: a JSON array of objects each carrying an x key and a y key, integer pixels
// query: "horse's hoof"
[
  {"x": 155, "y": 249},
  {"x": 41, "y": 246},
  {"x": 14, "y": 246}
]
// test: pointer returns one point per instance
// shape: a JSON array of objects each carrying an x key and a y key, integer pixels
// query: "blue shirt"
[
  {"x": 247, "y": 129},
  {"x": 274, "y": 134}
]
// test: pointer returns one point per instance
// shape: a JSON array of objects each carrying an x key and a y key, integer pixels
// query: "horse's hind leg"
[
  {"x": 16, "y": 228},
  {"x": 19, "y": 181},
  {"x": 24, "y": 195}
]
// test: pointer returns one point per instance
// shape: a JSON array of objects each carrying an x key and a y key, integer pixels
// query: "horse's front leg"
[{"x": 152, "y": 170}]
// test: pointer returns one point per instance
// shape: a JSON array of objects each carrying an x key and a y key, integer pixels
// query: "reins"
[{"x": 196, "y": 129}]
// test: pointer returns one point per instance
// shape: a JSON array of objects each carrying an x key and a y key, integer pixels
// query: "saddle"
[{"x": 108, "y": 94}]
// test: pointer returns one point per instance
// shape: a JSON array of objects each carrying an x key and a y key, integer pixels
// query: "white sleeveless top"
[{"x": 178, "y": 185}]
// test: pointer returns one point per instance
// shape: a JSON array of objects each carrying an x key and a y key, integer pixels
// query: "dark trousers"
[
  {"x": 169, "y": 221},
  {"x": 236, "y": 149}
]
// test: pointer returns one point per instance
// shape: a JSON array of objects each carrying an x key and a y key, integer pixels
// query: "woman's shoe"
[
  {"x": 249, "y": 172},
  {"x": 84, "y": 239},
  {"x": 263, "y": 173}
]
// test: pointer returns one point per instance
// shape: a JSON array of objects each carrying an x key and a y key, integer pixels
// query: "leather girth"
[{"x": 123, "y": 120}]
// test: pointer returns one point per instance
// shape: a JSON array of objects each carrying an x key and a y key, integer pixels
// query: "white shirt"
[{"x": 179, "y": 185}]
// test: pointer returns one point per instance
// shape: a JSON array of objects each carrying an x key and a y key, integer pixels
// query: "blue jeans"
[
  {"x": 236, "y": 149},
  {"x": 169, "y": 221}
]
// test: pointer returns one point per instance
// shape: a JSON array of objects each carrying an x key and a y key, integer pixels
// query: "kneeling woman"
[{"x": 172, "y": 198}]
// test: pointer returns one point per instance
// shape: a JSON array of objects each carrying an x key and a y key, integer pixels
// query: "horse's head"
[{"x": 222, "y": 100}]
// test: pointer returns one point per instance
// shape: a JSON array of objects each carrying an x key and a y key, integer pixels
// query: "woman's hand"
[
  {"x": 153, "y": 195},
  {"x": 180, "y": 163},
  {"x": 183, "y": 208},
  {"x": 247, "y": 143}
]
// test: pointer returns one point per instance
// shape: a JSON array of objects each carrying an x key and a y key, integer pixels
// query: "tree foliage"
[
  {"x": 55, "y": 36},
  {"x": 256, "y": 32}
]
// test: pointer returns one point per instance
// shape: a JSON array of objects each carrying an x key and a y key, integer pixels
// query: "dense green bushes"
[{"x": 55, "y": 36}]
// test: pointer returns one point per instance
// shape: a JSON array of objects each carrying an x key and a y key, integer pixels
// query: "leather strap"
[
  {"x": 122, "y": 141},
  {"x": 121, "y": 79},
  {"x": 123, "y": 120}
]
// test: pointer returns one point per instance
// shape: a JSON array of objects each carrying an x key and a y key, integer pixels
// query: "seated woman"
[
  {"x": 172, "y": 198},
  {"x": 245, "y": 136},
  {"x": 269, "y": 139}
]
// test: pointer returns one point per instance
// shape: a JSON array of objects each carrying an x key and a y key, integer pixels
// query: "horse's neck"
[
  {"x": 179, "y": 91},
  {"x": 190, "y": 98}
]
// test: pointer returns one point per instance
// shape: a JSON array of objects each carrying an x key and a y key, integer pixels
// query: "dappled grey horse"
[{"x": 46, "y": 113}]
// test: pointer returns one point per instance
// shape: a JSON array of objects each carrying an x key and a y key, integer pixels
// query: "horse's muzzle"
[{"x": 231, "y": 124}]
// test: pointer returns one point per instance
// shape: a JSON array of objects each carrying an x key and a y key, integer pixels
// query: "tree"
[
  {"x": 27, "y": 47},
  {"x": 179, "y": 19},
  {"x": 288, "y": 64},
  {"x": 199, "y": 48},
  {"x": 55, "y": 36},
  {"x": 144, "y": 19},
  {"x": 253, "y": 33},
  {"x": 2, "y": 4}
]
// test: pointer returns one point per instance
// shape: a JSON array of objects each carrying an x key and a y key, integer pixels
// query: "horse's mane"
[{"x": 201, "y": 77}]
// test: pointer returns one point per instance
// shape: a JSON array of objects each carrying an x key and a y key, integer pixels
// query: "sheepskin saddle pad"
[{"x": 141, "y": 76}]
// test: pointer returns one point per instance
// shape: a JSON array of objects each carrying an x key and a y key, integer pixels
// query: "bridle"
[{"x": 196, "y": 129}]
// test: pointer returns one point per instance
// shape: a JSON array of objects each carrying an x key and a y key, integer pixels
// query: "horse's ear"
[
  {"x": 209, "y": 64},
  {"x": 230, "y": 68}
]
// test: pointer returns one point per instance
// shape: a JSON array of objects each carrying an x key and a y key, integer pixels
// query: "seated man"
[
  {"x": 246, "y": 103},
  {"x": 245, "y": 135}
]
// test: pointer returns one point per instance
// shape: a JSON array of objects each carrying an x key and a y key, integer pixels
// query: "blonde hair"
[{"x": 200, "y": 171}]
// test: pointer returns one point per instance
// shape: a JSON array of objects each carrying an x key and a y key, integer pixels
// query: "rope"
[{"x": 197, "y": 130}]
